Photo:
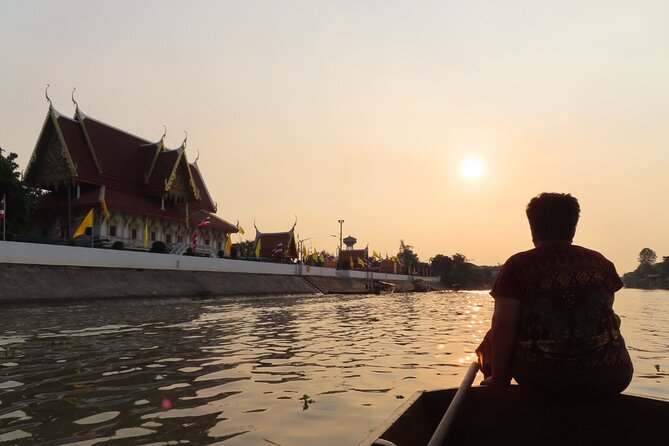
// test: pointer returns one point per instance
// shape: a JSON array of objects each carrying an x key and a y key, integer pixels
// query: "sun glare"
[{"x": 472, "y": 168}]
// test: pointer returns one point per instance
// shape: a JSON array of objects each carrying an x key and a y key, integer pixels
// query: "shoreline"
[
  {"x": 32, "y": 273},
  {"x": 49, "y": 283}
]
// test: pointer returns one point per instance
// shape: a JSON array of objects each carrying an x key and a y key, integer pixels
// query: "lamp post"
[
  {"x": 301, "y": 242},
  {"x": 341, "y": 224}
]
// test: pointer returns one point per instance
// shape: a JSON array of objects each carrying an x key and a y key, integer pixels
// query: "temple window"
[
  {"x": 133, "y": 234},
  {"x": 168, "y": 238},
  {"x": 112, "y": 230},
  {"x": 153, "y": 236},
  {"x": 180, "y": 239},
  {"x": 206, "y": 242}
]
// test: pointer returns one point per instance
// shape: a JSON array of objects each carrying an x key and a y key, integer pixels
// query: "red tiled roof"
[
  {"x": 346, "y": 254},
  {"x": 205, "y": 199},
  {"x": 162, "y": 169},
  {"x": 125, "y": 161},
  {"x": 269, "y": 243}
]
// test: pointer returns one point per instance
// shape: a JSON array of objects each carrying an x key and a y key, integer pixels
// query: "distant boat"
[
  {"x": 380, "y": 287},
  {"x": 419, "y": 285},
  {"x": 501, "y": 416}
]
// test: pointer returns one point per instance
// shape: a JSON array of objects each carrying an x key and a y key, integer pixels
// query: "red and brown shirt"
[{"x": 566, "y": 293}]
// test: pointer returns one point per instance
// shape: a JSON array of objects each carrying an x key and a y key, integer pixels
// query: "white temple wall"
[{"x": 39, "y": 254}]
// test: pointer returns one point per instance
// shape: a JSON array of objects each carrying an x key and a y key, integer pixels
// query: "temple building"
[
  {"x": 351, "y": 258},
  {"x": 140, "y": 191},
  {"x": 276, "y": 246}
]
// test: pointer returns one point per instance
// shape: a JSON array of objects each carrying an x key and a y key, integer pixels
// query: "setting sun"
[{"x": 472, "y": 168}]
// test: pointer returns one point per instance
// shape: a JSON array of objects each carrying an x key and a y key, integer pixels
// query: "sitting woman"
[{"x": 553, "y": 328}]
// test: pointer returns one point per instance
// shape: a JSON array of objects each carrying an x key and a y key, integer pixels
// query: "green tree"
[
  {"x": 647, "y": 257},
  {"x": 407, "y": 257},
  {"x": 459, "y": 260},
  {"x": 20, "y": 199},
  {"x": 648, "y": 274},
  {"x": 441, "y": 264}
]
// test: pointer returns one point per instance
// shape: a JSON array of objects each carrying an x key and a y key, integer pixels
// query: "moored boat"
[
  {"x": 381, "y": 287},
  {"x": 494, "y": 416},
  {"x": 421, "y": 286}
]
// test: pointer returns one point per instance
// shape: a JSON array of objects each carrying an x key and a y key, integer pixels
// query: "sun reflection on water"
[{"x": 235, "y": 371}]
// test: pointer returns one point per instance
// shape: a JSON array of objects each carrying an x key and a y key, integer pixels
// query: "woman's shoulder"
[
  {"x": 563, "y": 253},
  {"x": 591, "y": 253},
  {"x": 520, "y": 260}
]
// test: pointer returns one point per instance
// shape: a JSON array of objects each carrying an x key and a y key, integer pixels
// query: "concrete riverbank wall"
[{"x": 34, "y": 272}]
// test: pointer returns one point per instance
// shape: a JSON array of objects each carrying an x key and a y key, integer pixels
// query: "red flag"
[
  {"x": 2, "y": 207},
  {"x": 205, "y": 222},
  {"x": 194, "y": 241}
]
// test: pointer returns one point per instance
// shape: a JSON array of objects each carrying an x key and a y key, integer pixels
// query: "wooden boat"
[
  {"x": 380, "y": 287},
  {"x": 494, "y": 416},
  {"x": 421, "y": 286}
]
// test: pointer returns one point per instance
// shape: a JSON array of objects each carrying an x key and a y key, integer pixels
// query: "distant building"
[
  {"x": 351, "y": 258},
  {"x": 389, "y": 266},
  {"x": 151, "y": 192},
  {"x": 276, "y": 246}
]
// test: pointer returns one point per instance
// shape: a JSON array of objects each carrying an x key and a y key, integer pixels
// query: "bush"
[
  {"x": 159, "y": 247},
  {"x": 118, "y": 245}
]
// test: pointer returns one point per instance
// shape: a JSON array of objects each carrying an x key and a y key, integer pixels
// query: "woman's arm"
[{"x": 503, "y": 336}]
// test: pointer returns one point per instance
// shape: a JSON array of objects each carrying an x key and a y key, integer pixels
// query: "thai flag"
[
  {"x": 2, "y": 207},
  {"x": 205, "y": 222},
  {"x": 194, "y": 242},
  {"x": 278, "y": 249}
]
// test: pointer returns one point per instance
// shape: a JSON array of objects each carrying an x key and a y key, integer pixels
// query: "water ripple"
[{"x": 254, "y": 371}]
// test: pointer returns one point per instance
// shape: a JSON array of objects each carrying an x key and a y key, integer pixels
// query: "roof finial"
[
  {"x": 185, "y": 139},
  {"x": 294, "y": 224},
  {"x": 73, "y": 100},
  {"x": 164, "y": 132},
  {"x": 254, "y": 225},
  {"x": 197, "y": 157},
  {"x": 46, "y": 93}
]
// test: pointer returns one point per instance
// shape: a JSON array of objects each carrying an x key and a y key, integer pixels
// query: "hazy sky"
[{"x": 363, "y": 110}]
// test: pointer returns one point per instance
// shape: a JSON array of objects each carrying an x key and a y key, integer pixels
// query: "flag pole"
[
  {"x": 4, "y": 217},
  {"x": 92, "y": 227}
]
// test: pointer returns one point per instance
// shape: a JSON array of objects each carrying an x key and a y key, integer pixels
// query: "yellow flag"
[
  {"x": 240, "y": 229},
  {"x": 228, "y": 245},
  {"x": 103, "y": 201},
  {"x": 258, "y": 248},
  {"x": 361, "y": 262},
  {"x": 105, "y": 209},
  {"x": 350, "y": 261},
  {"x": 146, "y": 234},
  {"x": 304, "y": 252},
  {"x": 86, "y": 223}
]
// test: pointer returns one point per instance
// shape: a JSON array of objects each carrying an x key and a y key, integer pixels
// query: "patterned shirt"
[{"x": 566, "y": 293}]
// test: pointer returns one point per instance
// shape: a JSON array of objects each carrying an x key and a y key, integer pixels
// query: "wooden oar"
[{"x": 445, "y": 423}]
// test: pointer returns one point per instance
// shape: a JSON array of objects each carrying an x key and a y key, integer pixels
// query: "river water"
[{"x": 255, "y": 371}]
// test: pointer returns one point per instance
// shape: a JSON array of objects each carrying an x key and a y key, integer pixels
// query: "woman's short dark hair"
[{"x": 553, "y": 216}]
